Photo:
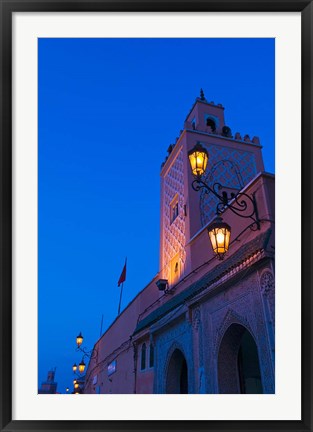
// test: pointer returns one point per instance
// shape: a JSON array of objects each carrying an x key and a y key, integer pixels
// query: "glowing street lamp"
[
  {"x": 219, "y": 233},
  {"x": 79, "y": 340},
  {"x": 198, "y": 158},
  {"x": 90, "y": 354},
  {"x": 79, "y": 369},
  {"x": 81, "y": 366}
]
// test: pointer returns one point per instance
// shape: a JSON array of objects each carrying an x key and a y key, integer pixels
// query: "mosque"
[{"x": 206, "y": 322}]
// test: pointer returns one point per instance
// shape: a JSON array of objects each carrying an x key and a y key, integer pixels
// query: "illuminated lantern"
[
  {"x": 74, "y": 367},
  {"x": 198, "y": 158},
  {"x": 79, "y": 340},
  {"x": 81, "y": 366},
  {"x": 219, "y": 233}
]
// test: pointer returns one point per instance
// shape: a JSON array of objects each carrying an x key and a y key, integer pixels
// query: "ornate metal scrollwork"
[
  {"x": 239, "y": 203},
  {"x": 92, "y": 354}
]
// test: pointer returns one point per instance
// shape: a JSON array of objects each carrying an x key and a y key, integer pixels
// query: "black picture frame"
[{"x": 7, "y": 8}]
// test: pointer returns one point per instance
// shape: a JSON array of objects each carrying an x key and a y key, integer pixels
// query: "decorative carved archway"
[
  {"x": 176, "y": 372},
  {"x": 230, "y": 317},
  {"x": 238, "y": 365}
]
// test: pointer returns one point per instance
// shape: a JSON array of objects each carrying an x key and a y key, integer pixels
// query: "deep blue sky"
[{"x": 108, "y": 110}]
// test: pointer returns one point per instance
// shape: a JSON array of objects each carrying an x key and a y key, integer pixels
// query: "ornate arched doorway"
[
  {"x": 177, "y": 374},
  {"x": 238, "y": 362}
]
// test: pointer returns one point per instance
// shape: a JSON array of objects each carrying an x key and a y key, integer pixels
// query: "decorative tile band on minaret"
[
  {"x": 233, "y": 162},
  {"x": 173, "y": 221}
]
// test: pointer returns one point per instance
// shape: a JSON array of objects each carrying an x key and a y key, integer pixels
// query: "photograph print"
[{"x": 156, "y": 216}]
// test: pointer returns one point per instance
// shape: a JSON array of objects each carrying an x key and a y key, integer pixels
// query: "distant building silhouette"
[{"x": 49, "y": 386}]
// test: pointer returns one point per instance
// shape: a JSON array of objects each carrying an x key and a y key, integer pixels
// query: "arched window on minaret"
[{"x": 210, "y": 122}]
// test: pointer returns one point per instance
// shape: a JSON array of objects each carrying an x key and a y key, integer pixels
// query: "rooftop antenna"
[{"x": 202, "y": 94}]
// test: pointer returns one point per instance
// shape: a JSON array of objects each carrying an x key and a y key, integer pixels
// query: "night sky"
[{"x": 108, "y": 110}]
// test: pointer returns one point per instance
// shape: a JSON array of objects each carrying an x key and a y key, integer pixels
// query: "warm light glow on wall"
[{"x": 175, "y": 268}]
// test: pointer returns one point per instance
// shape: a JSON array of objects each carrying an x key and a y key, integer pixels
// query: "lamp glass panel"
[
  {"x": 198, "y": 162},
  {"x": 220, "y": 239},
  {"x": 213, "y": 240}
]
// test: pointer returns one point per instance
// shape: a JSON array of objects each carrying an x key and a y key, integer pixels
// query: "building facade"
[{"x": 212, "y": 329}]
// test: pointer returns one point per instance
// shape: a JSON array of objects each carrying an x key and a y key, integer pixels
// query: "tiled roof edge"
[{"x": 260, "y": 242}]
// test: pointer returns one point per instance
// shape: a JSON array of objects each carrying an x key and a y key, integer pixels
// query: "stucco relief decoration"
[
  {"x": 267, "y": 283},
  {"x": 223, "y": 168},
  {"x": 174, "y": 233},
  {"x": 196, "y": 318},
  {"x": 231, "y": 317}
]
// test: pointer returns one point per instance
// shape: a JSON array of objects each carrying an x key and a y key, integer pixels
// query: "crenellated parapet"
[{"x": 207, "y": 118}]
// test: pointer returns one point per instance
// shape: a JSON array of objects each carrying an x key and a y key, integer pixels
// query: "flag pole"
[
  {"x": 119, "y": 305},
  {"x": 121, "y": 281}
]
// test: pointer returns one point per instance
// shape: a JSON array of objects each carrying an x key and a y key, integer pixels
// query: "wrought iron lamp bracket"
[
  {"x": 92, "y": 354},
  {"x": 240, "y": 203}
]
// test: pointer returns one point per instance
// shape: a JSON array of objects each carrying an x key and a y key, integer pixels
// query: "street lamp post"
[
  {"x": 240, "y": 203},
  {"x": 82, "y": 365},
  {"x": 93, "y": 353}
]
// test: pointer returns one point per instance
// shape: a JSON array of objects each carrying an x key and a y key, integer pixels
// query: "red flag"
[{"x": 123, "y": 275}]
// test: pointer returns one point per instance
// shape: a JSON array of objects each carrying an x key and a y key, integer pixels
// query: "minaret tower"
[{"x": 233, "y": 161}]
